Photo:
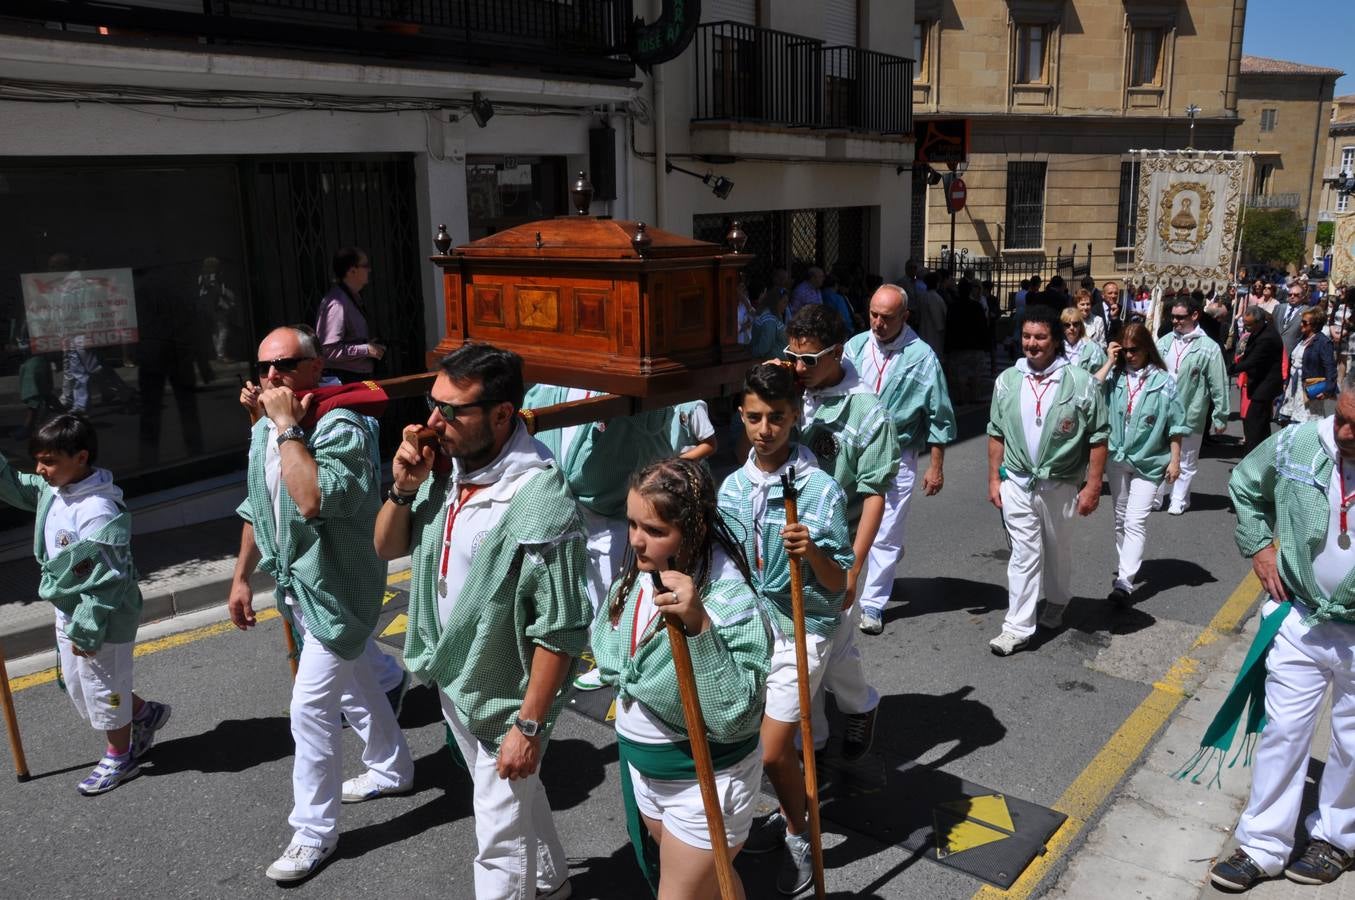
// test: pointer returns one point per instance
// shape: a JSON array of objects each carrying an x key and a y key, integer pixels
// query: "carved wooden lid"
[{"x": 584, "y": 237}]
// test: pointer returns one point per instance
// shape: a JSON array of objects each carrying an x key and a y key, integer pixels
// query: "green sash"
[{"x": 665, "y": 762}]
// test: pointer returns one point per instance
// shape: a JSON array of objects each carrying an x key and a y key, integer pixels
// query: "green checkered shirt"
[
  {"x": 1201, "y": 380},
  {"x": 1144, "y": 440},
  {"x": 914, "y": 392},
  {"x": 1075, "y": 420},
  {"x": 854, "y": 440}
]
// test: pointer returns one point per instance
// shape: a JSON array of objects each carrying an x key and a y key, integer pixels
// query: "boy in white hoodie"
[{"x": 83, "y": 544}]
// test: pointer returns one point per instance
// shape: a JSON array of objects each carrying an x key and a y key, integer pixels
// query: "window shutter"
[
  {"x": 839, "y": 23},
  {"x": 742, "y": 11}
]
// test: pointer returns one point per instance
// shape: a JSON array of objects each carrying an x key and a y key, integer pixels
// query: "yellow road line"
[{"x": 1125, "y": 747}]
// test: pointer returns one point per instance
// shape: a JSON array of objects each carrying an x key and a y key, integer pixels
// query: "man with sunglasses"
[
  {"x": 1289, "y": 318},
  {"x": 895, "y": 364},
  {"x": 1197, "y": 366},
  {"x": 498, "y": 603},
  {"x": 309, "y": 512}
]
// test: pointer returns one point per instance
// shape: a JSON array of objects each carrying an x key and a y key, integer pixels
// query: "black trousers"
[{"x": 1256, "y": 423}]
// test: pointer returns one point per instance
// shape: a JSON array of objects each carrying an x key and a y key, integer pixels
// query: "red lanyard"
[
  {"x": 1038, "y": 394},
  {"x": 1134, "y": 392},
  {"x": 635, "y": 631},
  {"x": 1181, "y": 348},
  {"x": 1346, "y": 498},
  {"x": 879, "y": 368},
  {"x": 466, "y": 492}
]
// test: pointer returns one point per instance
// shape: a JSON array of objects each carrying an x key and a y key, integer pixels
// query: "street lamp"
[
  {"x": 719, "y": 184},
  {"x": 1191, "y": 112},
  {"x": 1344, "y": 183}
]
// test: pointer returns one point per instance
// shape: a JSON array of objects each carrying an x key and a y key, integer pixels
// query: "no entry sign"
[{"x": 955, "y": 194}]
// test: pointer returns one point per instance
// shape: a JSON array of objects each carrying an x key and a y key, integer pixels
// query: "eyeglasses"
[
  {"x": 1181, "y": 318},
  {"x": 284, "y": 365},
  {"x": 810, "y": 360},
  {"x": 1128, "y": 349},
  {"x": 450, "y": 411}
]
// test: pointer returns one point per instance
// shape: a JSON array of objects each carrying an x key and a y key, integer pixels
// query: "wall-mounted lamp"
[{"x": 720, "y": 186}]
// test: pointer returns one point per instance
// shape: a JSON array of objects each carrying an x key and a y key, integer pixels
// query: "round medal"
[
  {"x": 1343, "y": 541},
  {"x": 1038, "y": 421},
  {"x": 442, "y": 587}
]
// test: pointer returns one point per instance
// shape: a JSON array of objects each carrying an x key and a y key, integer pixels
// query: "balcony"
[
  {"x": 1273, "y": 201},
  {"x": 790, "y": 95},
  {"x": 583, "y": 37}
]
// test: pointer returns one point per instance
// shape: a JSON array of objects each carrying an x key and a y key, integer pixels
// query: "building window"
[
  {"x": 1030, "y": 54},
  {"x": 1261, "y": 179},
  {"x": 1145, "y": 69},
  {"x": 1342, "y": 202},
  {"x": 1348, "y": 159},
  {"x": 1126, "y": 231},
  {"x": 1025, "y": 205},
  {"x": 1268, "y": 119},
  {"x": 920, "y": 30}
]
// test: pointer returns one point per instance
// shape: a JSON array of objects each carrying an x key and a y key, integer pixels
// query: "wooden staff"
[
  {"x": 16, "y": 744},
  {"x": 293, "y": 655},
  {"x": 696, "y": 733},
  {"x": 797, "y": 611}
]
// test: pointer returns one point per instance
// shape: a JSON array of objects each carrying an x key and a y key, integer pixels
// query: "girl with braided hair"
[{"x": 678, "y": 536}]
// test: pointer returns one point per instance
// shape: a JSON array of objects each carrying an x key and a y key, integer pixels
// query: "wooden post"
[
  {"x": 16, "y": 744},
  {"x": 696, "y": 733},
  {"x": 797, "y": 607}
]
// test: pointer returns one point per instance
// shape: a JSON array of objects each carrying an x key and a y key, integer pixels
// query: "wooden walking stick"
[
  {"x": 16, "y": 744},
  {"x": 293, "y": 655},
  {"x": 797, "y": 608},
  {"x": 696, "y": 733}
]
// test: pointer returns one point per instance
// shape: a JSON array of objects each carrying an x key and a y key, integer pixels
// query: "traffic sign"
[
  {"x": 941, "y": 140},
  {"x": 955, "y": 194}
]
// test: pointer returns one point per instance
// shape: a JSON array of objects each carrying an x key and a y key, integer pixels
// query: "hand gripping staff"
[
  {"x": 16, "y": 744},
  {"x": 797, "y": 611},
  {"x": 696, "y": 733}
]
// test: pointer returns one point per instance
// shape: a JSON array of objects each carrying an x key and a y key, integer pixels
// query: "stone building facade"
[{"x": 1338, "y": 156}]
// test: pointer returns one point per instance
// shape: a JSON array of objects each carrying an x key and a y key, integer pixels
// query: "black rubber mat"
[{"x": 596, "y": 705}]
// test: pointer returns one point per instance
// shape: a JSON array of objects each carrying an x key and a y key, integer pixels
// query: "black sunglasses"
[
  {"x": 1176, "y": 318},
  {"x": 284, "y": 365},
  {"x": 450, "y": 411}
]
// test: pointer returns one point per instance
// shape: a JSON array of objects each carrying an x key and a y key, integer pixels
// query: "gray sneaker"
[
  {"x": 767, "y": 835},
  {"x": 797, "y": 866},
  {"x": 1006, "y": 643},
  {"x": 871, "y": 621}
]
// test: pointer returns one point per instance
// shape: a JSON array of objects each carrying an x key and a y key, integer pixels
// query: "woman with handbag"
[{"x": 1312, "y": 371}]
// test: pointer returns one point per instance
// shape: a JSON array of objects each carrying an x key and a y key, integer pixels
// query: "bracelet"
[{"x": 400, "y": 499}]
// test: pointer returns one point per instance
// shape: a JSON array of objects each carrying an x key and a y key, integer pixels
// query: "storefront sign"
[{"x": 97, "y": 307}]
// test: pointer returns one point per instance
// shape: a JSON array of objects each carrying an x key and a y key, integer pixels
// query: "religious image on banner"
[
  {"x": 90, "y": 308},
  {"x": 1189, "y": 219},
  {"x": 1343, "y": 251}
]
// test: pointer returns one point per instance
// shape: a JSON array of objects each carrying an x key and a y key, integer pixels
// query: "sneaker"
[
  {"x": 1236, "y": 873},
  {"x": 589, "y": 681},
  {"x": 110, "y": 772},
  {"x": 859, "y": 735},
  {"x": 1176, "y": 510},
  {"x": 1320, "y": 863},
  {"x": 563, "y": 892},
  {"x": 298, "y": 862},
  {"x": 365, "y": 787},
  {"x": 396, "y": 695},
  {"x": 1120, "y": 591},
  {"x": 871, "y": 621},
  {"x": 1006, "y": 643},
  {"x": 767, "y": 835},
  {"x": 1052, "y": 614},
  {"x": 797, "y": 866},
  {"x": 154, "y": 717}
]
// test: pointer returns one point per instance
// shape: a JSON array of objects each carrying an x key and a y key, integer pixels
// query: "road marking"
[
  {"x": 398, "y": 626},
  {"x": 1126, "y": 746}
]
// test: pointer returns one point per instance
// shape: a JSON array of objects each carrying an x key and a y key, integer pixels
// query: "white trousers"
[
  {"x": 518, "y": 855},
  {"x": 1301, "y": 665},
  {"x": 1190, "y": 464},
  {"x": 100, "y": 686},
  {"x": 1039, "y": 524},
  {"x": 606, "y": 549},
  {"x": 327, "y": 684},
  {"x": 844, "y": 676},
  {"x": 386, "y": 666},
  {"x": 1134, "y": 497},
  {"x": 877, "y": 575}
]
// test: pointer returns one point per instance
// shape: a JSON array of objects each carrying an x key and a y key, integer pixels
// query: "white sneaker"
[
  {"x": 1052, "y": 614},
  {"x": 1176, "y": 510},
  {"x": 1006, "y": 643},
  {"x": 298, "y": 862},
  {"x": 589, "y": 681},
  {"x": 365, "y": 787}
]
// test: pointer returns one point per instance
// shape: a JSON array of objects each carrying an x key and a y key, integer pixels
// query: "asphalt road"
[{"x": 209, "y": 814}]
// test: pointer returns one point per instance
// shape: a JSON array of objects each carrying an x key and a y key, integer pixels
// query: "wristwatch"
[
  {"x": 529, "y": 727},
  {"x": 400, "y": 499},
  {"x": 291, "y": 433}
]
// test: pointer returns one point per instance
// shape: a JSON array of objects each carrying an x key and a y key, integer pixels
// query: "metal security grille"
[
  {"x": 1025, "y": 205},
  {"x": 836, "y": 239},
  {"x": 918, "y": 244},
  {"x": 1126, "y": 228}
]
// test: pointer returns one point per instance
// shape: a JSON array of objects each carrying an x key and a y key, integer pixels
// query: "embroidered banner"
[
  {"x": 1343, "y": 251},
  {"x": 1189, "y": 216}
]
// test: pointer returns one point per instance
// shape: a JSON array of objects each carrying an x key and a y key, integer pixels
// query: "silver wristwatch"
[
  {"x": 529, "y": 727},
  {"x": 291, "y": 433}
]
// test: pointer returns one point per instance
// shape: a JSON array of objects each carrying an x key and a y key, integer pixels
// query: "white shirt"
[
  {"x": 1181, "y": 344},
  {"x": 1332, "y": 564},
  {"x": 1048, "y": 390},
  {"x": 697, "y": 426},
  {"x": 79, "y": 510},
  {"x": 633, "y": 719}
]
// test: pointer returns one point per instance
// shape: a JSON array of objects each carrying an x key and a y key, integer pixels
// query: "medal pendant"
[
  {"x": 1343, "y": 541},
  {"x": 442, "y": 587},
  {"x": 1038, "y": 421}
]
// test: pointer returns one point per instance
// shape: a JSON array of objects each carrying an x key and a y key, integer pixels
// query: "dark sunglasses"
[
  {"x": 810, "y": 360},
  {"x": 450, "y": 411},
  {"x": 1176, "y": 318},
  {"x": 284, "y": 365},
  {"x": 1128, "y": 349}
]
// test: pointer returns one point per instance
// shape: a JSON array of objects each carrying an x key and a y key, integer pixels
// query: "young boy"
[
  {"x": 753, "y": 503},
  {"x": 83, "y": 545}
]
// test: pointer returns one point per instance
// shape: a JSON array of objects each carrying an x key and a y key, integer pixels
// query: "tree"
[
  {"x": 1272, "y": 237},
  {"x": 1326, "y": 234}
]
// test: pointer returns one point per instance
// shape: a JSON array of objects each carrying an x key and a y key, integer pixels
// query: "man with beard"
[{"x": 498, "y": 605}]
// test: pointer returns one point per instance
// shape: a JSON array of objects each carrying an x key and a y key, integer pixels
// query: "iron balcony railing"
[
  {"x": 750, "y": 74},
  {"x": 578, "y": 37},
  {"x": 1273, "y": 201}
]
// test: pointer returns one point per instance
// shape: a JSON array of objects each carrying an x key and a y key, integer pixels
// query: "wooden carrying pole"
[
  {"x": 16, "y": 744},
  {"x": 797, "y": 608},
  {"x": 293, "y": 655},
  {"x": 696, "y": 733}
]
